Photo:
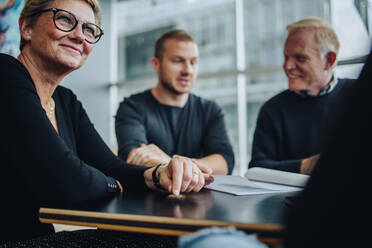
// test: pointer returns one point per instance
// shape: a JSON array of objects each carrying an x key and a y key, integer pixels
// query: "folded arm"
[
  {"x": 149, "y": 155},
  {"x": 267, "y": 150}
]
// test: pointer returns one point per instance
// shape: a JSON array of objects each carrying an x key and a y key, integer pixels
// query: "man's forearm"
[
  {"x": 216, "y": 162},
  {"x": 149, "y": 155}
]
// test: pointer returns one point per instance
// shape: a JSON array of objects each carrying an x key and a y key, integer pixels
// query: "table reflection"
[{"x": 194, "y": 205}]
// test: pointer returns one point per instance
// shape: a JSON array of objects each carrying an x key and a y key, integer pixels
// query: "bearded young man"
[{"x": 167, "y": 120}]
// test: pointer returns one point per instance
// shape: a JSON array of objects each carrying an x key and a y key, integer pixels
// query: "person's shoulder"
[
  {"x": 66, "y": 94},
  {"x": 279, "y": 99},
  {"x": 139, "y": 102},
  {"x": 346, "y": 82},
  {"x": 344, "y": 85},
  {"x": 14, "y": 73},
  {"x": 139, "y": 95},
  {"x": 65, "y": 91},
  {"x": 8, "y": 64},
  {"x": 7, "y": 58},
  {"x": 138, "y": 98},
  {"x": 205, "y": 108},
  {"x": 69, "y": 99},
  {"x": 195, "y": 99},
  {"x": 280, "y": 103}
]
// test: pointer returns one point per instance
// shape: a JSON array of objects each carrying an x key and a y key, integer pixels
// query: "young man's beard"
[{"x": 168, "y": 86}]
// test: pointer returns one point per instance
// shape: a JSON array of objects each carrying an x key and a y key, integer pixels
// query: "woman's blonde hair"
[
  {"x": 34, "y": 6},
  {"x": 325, "y": 36}
]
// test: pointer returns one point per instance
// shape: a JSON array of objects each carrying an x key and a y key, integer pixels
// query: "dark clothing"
[
  {"x": 334, "y": 209},
  {"x": 290, "y": 127},
  {"x": 196, "y": 130},
  {"x": 96, "y": 238},
  {"x": 41, "y": 168}
]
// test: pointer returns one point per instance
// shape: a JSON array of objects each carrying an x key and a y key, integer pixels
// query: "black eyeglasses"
[{"x": 66, "y": 22}]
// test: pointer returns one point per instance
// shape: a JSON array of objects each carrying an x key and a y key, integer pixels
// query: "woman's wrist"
[
  {"x": 156, "y": 175},
  {"x": 152, "y": 176}
]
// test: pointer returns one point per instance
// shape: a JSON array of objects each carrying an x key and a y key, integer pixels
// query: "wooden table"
[{"x": 155, "y": 213}]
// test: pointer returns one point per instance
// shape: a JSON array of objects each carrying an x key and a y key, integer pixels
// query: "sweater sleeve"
[
  {"x": 216, "y": 140},
  {"x": 129, "y": 127},
  {"x": 266, "y": 145},
  {"x": 93, "y": 151}
]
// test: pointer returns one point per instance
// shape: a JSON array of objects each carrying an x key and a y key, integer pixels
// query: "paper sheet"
[{"x": 238, "y": 185}]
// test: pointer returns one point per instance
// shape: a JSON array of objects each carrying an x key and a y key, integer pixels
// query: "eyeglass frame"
[{"x": 55, "y": 10}]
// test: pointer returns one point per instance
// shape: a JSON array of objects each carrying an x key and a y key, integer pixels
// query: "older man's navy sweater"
[{"x": 290, "y": 127}]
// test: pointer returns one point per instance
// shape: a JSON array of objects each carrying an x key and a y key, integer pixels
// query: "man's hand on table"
[
  {"x": 308, "y": 164},
  {"x": 149, "y": 155}
]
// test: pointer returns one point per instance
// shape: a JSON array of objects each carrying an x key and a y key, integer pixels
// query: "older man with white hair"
[{"x": 290, "y": 125}]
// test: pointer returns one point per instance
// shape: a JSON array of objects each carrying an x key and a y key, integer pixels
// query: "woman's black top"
[{"x": 41, "y": 168}]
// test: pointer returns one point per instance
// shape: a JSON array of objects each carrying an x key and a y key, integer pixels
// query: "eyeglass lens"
[{"x": 67, "y": 22}]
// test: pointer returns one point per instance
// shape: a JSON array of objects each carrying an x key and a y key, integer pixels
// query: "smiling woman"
[
  {"x": 57, "y": 41},
  {"x": 49, "y": 138},
  {"x": 37, "y": 6}
]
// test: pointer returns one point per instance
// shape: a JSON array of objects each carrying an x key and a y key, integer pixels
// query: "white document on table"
[{"x": 238, "y": 185}]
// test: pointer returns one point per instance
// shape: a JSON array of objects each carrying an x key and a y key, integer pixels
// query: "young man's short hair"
[{"x": 176, "y": 34}]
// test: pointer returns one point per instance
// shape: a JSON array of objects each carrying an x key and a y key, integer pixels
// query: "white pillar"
[
  {"x": 113, "y": 94},
  {"x": 241, "y": 86}
]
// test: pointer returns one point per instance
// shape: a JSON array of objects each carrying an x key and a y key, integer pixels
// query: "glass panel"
[
  {"x": 352, "y": 33},
  {"x": 139, "y": 49},
  {"x": 213, "y": 30}
]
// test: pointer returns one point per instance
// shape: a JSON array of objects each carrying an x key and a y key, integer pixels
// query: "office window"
[
  {"x": 139, "y": 49},
  {"x": 353, "y": 33}
]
